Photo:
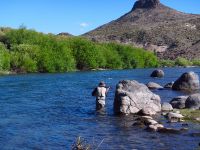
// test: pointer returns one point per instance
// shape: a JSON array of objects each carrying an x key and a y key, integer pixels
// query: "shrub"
[
  {"x": 182, "y": 62},
  {"x": 4, "y": 58}
]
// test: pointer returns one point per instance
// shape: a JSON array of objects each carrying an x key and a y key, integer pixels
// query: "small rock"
[
  {"x": 171, "y": 130},
  {"x": 152, "y": 85},
  {"x": 155, "y": 127},
  {"x": 169, "y": 85},
  {"x": 174, "y": 117},
  {"x": 158, "y": 73},
  {"x": 148, "y": 111},
  {"x": 151, "y": 122},
  {"x": 166, "y": 107}
]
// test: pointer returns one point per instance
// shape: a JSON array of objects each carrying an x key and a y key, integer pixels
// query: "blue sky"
[{"x": 73, "y": 16}]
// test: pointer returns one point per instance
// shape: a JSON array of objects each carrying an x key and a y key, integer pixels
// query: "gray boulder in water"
[
  {"x": 187, "y": 82},
  {"x": 158, "y": 73},
  {"x": 153, "y": 85},
  {"x": 132, "y": 97},
  {"x": 178, "y": 102},
  {"x": 193, "y": 101}
]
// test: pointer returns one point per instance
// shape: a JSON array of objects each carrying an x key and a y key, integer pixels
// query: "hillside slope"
[{"x": 156, "y": 27}]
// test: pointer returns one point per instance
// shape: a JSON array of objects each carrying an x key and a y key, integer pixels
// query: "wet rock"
[
  {"x": 178, "y": 102},
  {"x": 169, "y": 85},
  {"x": 155, "y": 127},
  {"x": 174, "y": 117},
  {"x": 193, "y": 101},
  {"x": 171, "y": 130},
  {"x": 153, "y": 85},
  {"x": 166, "y": 107},
  {"x": 158, "y": 73},
  {"x": 132, "y": 97},
  {"x": 187, "y": 82}
]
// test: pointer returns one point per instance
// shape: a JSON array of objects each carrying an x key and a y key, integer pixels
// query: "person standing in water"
[{"x": 100, "y": 93}]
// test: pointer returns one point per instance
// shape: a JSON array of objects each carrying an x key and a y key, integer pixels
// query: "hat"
[{"x": 102, "y": 84}]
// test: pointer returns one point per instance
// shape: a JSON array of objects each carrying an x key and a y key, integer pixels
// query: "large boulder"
[
  {"x": 153, "y": 85},
  {"x": 187, "y": 82},
  {"x": 132, "y": 97},
  {"x": 157, "y": 73},
  {"x": 193, "y": 101},
  {"x": 178, "y": 102}
]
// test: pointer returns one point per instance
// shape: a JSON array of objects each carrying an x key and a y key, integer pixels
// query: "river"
[{"x": 49, "y": 111}]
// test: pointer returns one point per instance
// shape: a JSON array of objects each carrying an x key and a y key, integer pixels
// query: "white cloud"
[{"x": 84, "y": 24}]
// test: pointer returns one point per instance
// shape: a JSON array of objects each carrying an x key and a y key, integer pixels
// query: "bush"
[
  {"x": 166, "y": 63},
  {"x": 4, "y": 58},
  {"x": 182, "y": 62}
]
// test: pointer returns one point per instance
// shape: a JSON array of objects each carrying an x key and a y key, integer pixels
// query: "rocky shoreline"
[{"x": 132, "y": 97}]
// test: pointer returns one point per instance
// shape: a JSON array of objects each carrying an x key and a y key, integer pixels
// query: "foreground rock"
[
  {"x": 153, "y": 85},
  {"x": 132, "y": 97},
  {"x": 178, "y": 102},
  {"x": 193, "y": 101},
  {"x": 158, "y": 73},
  {"x": 187, "y": 82}
]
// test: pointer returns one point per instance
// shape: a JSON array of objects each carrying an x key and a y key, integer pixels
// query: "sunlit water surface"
[{"x": 49, "y": 111}]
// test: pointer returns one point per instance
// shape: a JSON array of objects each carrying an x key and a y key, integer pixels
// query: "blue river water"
[{"x": 49, "y": 111}]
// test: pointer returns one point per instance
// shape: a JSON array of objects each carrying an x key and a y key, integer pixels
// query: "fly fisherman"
[{"x": 100, "y": 93}]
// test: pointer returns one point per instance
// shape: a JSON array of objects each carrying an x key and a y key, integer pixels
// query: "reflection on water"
[{"x": 49, "y": 111}]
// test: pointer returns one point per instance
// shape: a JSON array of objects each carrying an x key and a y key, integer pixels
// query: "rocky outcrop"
[
  {"x": 174, "y": 117},
  {"x": 132, "y": 97},
  {"x": 153, "y": 85},
  {"x": 193, "y": 101},
  {"x": 178, "y": 102},
  {"x": 146, "y": 4},
  {"x": 157, "y": 73},
  {"x": 187, "y": 82}
]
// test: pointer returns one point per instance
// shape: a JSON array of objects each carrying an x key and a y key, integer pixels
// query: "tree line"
[{"x": 27, "y": 51}]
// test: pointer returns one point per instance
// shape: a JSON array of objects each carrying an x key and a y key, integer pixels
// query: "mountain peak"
[{"x": 148, "y": 4}]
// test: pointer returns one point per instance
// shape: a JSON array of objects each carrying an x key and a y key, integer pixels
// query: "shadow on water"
[{"x": 49, "y": 111}]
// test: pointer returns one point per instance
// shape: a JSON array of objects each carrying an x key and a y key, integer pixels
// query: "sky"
[{"x": 73, "y": 16}]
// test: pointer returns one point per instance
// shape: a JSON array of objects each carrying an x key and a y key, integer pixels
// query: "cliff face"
[{"x": 155, "y": 27}]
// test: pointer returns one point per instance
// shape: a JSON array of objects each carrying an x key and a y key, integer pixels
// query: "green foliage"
[
  {"x": 196, "y": 62},
  {"x": 167, "y": 63},
  {"x": 182, "y": 62},
  {"x": 4, "y": 58},
  {"x": 30, "y": 51}
]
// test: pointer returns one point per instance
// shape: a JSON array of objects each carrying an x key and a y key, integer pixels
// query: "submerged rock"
[
  {"x": 187, "y": 82},
  {"x": 153, "y": 85},
  {"x": 193, "y": 101},
  {"x": 171, "y": 130},
  {"x": 132, "y": 97},
  {"x": 178, "y": 102},
  {"x": 158, "y": 73},
  {"x": 169, "y": 85}
]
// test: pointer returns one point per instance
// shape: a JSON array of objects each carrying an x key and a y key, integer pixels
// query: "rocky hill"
[{"x": 155, "y": 27}]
